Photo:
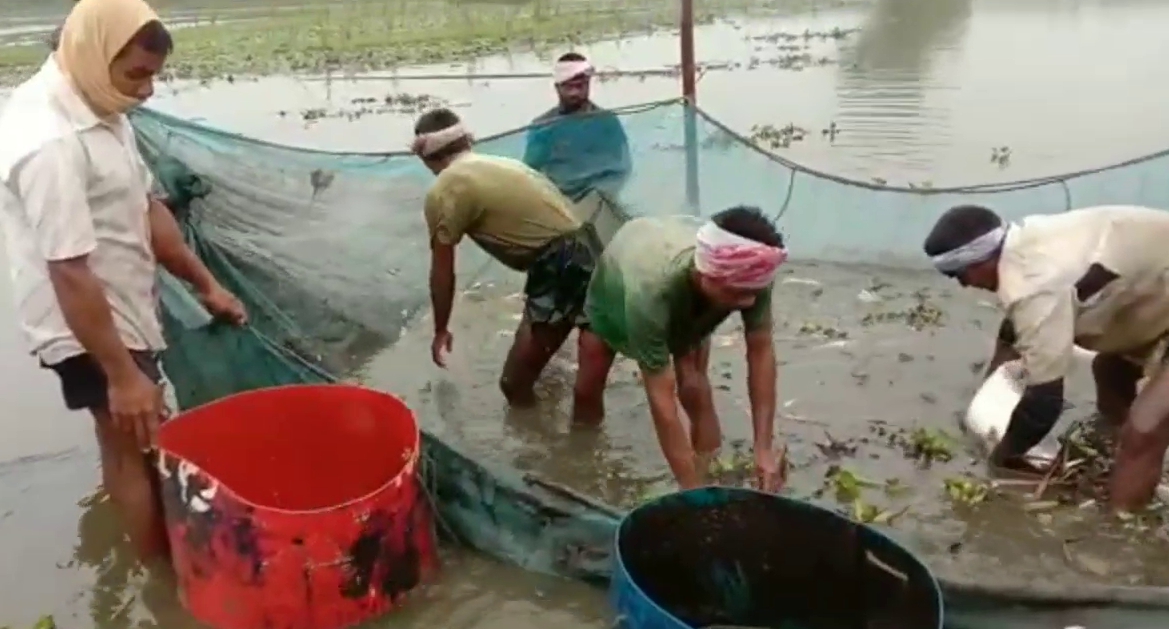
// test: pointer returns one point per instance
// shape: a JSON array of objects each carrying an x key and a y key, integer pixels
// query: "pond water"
[
  {"x": 862, "y": 359},
  {"x": 920, "y": 90}
]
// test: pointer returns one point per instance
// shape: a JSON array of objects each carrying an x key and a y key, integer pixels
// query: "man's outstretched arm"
[
  {"x": 172, "y": 252},
  {"x": 661, "y": 389},
  {"x": 762, "y": 375}
]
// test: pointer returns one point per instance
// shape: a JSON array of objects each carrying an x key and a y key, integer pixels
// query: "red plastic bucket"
[{"x": 296, "y": 507}]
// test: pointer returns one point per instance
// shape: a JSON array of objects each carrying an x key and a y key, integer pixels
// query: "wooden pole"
[{"x": 690, "y": 94}]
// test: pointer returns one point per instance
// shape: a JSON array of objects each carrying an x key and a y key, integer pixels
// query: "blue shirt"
[{"x": 579, "y": 152}]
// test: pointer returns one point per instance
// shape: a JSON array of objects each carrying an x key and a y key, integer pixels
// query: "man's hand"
[
  {"x": 440, "y": 347},
  {"x": 223, "y": 305},
  {"x": 136, "y": 406},
  {"x": 770, "y": 469}
]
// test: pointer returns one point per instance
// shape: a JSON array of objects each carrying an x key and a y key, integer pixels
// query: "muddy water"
[
  {"x": 922, "y": 91},
  {"x": 854, "y": 367}
]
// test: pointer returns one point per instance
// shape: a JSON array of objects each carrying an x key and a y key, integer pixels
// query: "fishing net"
[{"x": 329, "y": 252}]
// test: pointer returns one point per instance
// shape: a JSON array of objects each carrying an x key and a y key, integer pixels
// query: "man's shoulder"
[
  {"x": 472, "y": 165},
  {"x": 30, "y": 122},
  {"x": 647, "y": 248}
]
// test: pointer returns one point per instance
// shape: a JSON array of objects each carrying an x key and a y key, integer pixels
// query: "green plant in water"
[
  {"x": 45, "y": 622},
  {"x": 872, "y": 514},
  {"x": 361, "y": 35},
  {"x": 966, "y": 491},
  {"x": 847, "y": 486},
  {"x": 928, "y": 445}
]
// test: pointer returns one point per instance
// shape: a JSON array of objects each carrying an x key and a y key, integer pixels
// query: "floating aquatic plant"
[{"x": 366, "y": 35}]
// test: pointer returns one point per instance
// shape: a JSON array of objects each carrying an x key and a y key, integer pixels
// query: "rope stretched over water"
[
  {"x": 471, "y": 76},
  {"x": 990, "y": 188},
  {"x": 181, "y": 126}
]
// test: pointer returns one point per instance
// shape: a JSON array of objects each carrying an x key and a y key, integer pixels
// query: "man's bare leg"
[
  {"x": 1116, "y": 387},
  {"x": 1140, "y": 453},
  {"x": 530, "y": 352},
  {"x": 132, "y": 485},
  {"x": 594, "y": 360},
  {"x": 697, "y": 398}
]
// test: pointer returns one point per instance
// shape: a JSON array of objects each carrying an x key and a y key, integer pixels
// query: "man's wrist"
[
  {"x": 205, "y": 283},
  {"x": 120, "y": 367}
]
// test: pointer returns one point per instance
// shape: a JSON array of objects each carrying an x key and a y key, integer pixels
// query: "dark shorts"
[
  {"x": 83, "y": 383},
  {"x": 558, "y": 280}
]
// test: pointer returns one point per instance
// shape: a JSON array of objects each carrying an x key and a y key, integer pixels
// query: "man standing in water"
[
  {"x": 1095, "y": 277},
  {"x": 84, "y": 235},
  {"x": 519, "y": 218},
  {"x": 661, "y": 288},
  {"x": 576, "y": 144}
]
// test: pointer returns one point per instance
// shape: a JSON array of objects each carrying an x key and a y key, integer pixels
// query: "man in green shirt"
[
  {"x": 660, "y": 289},
  {"x": 522, "y": 220}
]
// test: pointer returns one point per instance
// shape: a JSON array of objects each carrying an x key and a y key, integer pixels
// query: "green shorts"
[{"x": 558, "y": 280}]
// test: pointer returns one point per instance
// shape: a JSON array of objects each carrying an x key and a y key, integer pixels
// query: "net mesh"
[
  {"x": 328, "y": 250},
  {"x": 329, "y": 253}
]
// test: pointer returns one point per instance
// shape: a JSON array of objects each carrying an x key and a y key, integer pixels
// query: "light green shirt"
[
  {"x": 511, "y": 210},
  {"x": 642, "y": 299}
]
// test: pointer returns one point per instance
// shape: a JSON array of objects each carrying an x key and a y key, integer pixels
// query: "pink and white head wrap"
[
  {"x": 734, "y": 260},
  {"x": 427, "y": 144},
  {"x": 565, "y": 71}
]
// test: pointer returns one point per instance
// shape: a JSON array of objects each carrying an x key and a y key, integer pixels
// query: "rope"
[
  {"x": 175, "y": 124},
  {"x": 986, "y": 188},
  {"x": 471, "y": 76}
]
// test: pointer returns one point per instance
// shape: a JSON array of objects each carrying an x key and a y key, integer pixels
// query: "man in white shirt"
[
  {"x": 84, "y": 237},
  {"x": 1095, "y": 277}
]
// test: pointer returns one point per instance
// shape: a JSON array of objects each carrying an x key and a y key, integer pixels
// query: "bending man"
[
  {"x": 519, "y": 218},
  {"x": 661, "y": 288},
  {"x": 84, "y": 237},
  {"x": 1097, "y": 278}
]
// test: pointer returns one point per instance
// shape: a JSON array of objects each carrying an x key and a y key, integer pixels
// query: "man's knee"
[
  {"x": 514, "y": 387},
  {"x": 690, "y": 371},
  {"x": 119, "y": 449},
  {"x": 693, "y": 386},
  {"x": 1115, "y": 375},
  {"x": 594, "y": 361}
]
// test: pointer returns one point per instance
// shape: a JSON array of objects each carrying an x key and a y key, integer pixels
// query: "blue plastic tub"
[{"x": 727, "y": 556}]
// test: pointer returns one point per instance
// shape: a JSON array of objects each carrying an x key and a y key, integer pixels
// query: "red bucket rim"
[{"x": 409, "y": 467}]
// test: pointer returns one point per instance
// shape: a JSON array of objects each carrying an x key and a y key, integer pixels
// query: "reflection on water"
[
  {"x": 890, "y": 94},
  {"x": 922, "y": 92}
]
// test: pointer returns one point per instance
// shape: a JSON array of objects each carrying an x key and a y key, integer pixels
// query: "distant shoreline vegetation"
[{"x": 366, "y": 35}]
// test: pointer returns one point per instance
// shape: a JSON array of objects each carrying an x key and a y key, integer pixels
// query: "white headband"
[
  {"x": 427, "y": 144},
  {"x": 973, "y": 252},
  {"x": 735, "y": 260},
  {"x": 565, "y": 71}
]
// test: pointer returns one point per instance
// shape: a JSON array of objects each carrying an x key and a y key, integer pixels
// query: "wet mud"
[{"x": 877, "y": 366}]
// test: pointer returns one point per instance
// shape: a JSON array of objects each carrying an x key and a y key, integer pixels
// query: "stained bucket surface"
[
  {"x": 721, "y": 556},
  {"x": 296, "y": 507}
]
